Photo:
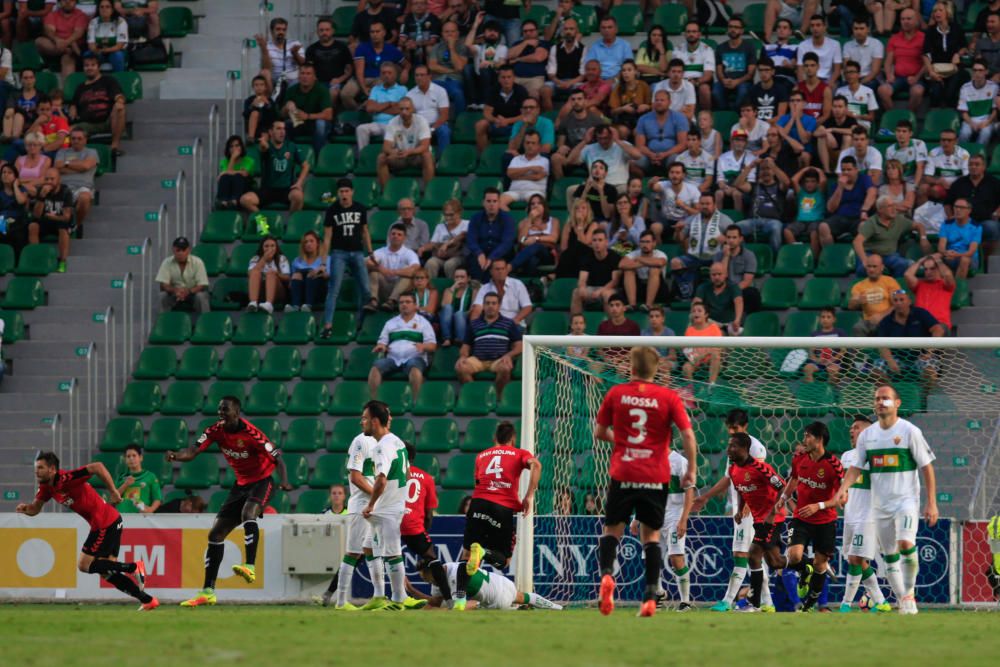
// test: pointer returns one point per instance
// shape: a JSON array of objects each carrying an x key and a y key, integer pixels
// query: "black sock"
[
  {"x": 104, "y": 566},
  {"x": 815, "y": 588},
  {"x": 461, "y": 580},
  {"x": 213, "y": 559},
  {"x": 654, "y": 565},
  {"x": 440, "y": 578},
  {"x": 252, "y": 536},
  {"x": 332, "y": 588},
  {"x": 127, "y": 586},
  {"x": 495, "y": 558},
  {"x": 607, "y": 553},
  {"x": 756, "y": 584}
]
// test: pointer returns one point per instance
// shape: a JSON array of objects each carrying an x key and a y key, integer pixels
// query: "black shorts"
[
  {"x": 491, "y": 525},
  {"x": 269, "y": 196},
  {"x": 418, "y": 544},
  {"x": 648, "y": 501},
  {"x": 767, "y": 535},
  {"x": 257, "y": 492},
  {"x": 104, "y": 543},
  {"x": 822, "y": 536}
]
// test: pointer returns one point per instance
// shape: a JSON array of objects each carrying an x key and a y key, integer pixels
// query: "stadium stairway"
[{"x": 47, "y": 356}]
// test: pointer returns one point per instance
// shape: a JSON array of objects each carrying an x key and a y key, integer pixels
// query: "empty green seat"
[
  {"x": 404, "y": 429},
  {"x": 473, "y": 198},
  {"x": 343, "y": 433},
  {"x": 213, "y": 256},
  {"x": 548, "y": 323},
  {"x": 793, "y": 260},
  {"x": 491, "y": 161},
  {"x": 308, "y": 398},
  {"x": 319, "y": 193},
  {"x": 819, "y": 293},
  {"x": 184, "y": 397},
  {"x": 443, "y": 363},
  {"x": 629, "y": 18},
  {"x": 281, "y": 363},
  {"x": 240, "y": 363},
  {"x": 26, "y": 56},
  {"x": 305, "y": 434},
  {"x": 121, "y": 432},
  {"x": 449, "y": 500},
  {"x": 216, "y": 500},
  {"x": 280, "y": 501},
  {"x": 323, "y": 363},
  {"x": 301, "y": 222},
  {"x": 815, "y": 399},
  {"x": 212, "y": 329},
  {"x": 457, "y": 160},
  {"x": 167, "y": 434},
  {"x": 222, "y": 227},
  {"x": 344, "y": 326},
  {"x": 396, "y": 189},
  {"x": 140, "y": 398},
  {"x": 438, "y": 434},
  {"x": 371, "y": 328},
  {"x": 428, "y": 463},
  {"x": 672, "y": 17},
  {"x": 219, "y": 390},
  {"x": 271, "y": 428},
  {"x": 197, "y": 363},
  {"x": 460, "y": 472},
  {"x": 439, "y": 191},
  {"x": 312, "y": 501},
  {"x": 510, "y": 401},
  {"x": 801, "y": 324},
  {"x": 479, "y": 434},
  {"x": 464, "y": 131},
  {"x": 348, "y": 398},
  {"x": 295, "y": 329},
  {"x": 171, "y": 328},
  {"x": 779, "y": 293},
  {"x": 559, "y": 294},
  {"x": 23, "y": 293},
  {"x": 435, "y": 398},
  {"x": 334, "y": 160},
  {"x": 267, "y": 397},
  {"x": 476, "y": 399},
  {"x": 14, "y": 328},
  {"x": 397, "y": 395},
  {"x": 199, "y": 473},
  {"x": 359, "y": 363},
  {"x": 155, "y": 363},
  {"x": 297, "y": 469},
  {"x": 837, "y": 259},
  {"x": 366, "y": 190},
  {"x": 6, "y": 259},
  {"x": 936, "y": 121},
  {"x": 113, "y": 461},
  {"x": 330, "y": 469},
  {"x": 254, "y": 329},
  {"x": 39, "y": 259},
  {"x": 229, "y": 294},
  {"x": 887, "y": 126},
  {"x": 274, "y": 221},
  {"x": 239, "y": 260},
  {"x": 761, "y": 324},
  {"x": 176, "y": 21}
]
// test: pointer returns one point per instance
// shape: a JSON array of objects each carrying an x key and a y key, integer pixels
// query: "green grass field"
[{"x": 290, "y": 636}]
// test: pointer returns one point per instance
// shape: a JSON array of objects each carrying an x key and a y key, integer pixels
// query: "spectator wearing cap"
[
  {"x": 733, "y": 164},
  {"x": 183, "y": 279}
]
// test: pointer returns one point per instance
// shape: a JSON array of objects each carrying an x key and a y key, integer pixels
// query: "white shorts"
[
  {"x": 386, "y": 541},
  {"x": 523, "y": 195},
  {"x": 793, "y": 14},
  {"x": 497, "y": 593},
  {"x": 859, "y": 540},
  {"x": 670, "y": 544},
  {"x": 359, "y": 534},
  {"x": 900, "y": 526},
  {"x": 743, "y": 535}
]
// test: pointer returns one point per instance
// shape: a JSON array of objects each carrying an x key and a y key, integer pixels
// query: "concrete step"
[
  {"x": 50, "y": 368},
  {"x": 39, "y": 385},
  {"x": 970, "y": 330},
  {"x": 986, "y": 297},
  {"x": 976, "y": 315},
  {"x": 217, "y": 55},
  {"x": 207, "y": 86},
  {"x": 17, "y": 405},
  {"x": 27, "y": 352}
]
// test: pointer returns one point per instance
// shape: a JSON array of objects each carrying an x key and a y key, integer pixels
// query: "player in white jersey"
[
  {"x": 490, "y": 590},
  {"x": 359, "y": 538},
  {"x": 859, "y": 529},
  {"x": 673, "y": 536},
  {"x": 737, "y": 421},
  {"x": 898, "y": 456},
  {"x": 388, "y": 500}
]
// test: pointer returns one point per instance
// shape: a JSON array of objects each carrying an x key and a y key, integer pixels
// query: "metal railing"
[
  {"x": 162, "y": 230},
  {"x": 91, "y": 403},
  {"x": 264, "y": 14},
  {"x": 74, "y": 441},
  {"x": 214, "y": 140},
  {"x": 305, "y": 13},
  {"x": 232, "y": 111},
  {"x": 146, "y": 287},
  {"x": 180, "y": 203},
  {"x": 128, "y": 327},
  {"x": 198, "y": 187},
  {"x": 107, "y": 318}
]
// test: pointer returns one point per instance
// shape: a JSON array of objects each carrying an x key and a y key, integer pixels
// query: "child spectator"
[{"x": 825, "y": 358}]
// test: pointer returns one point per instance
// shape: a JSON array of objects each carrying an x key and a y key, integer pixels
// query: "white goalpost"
[{"x": 948, "y": 387}]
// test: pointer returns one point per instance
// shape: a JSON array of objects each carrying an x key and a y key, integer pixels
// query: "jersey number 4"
[
  {"x": 495, "y": 468},
  {"x": 638, "y": 425}
]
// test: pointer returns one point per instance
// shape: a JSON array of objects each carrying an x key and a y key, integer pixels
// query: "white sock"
[
  {"x": 684, "y": 583},
  {"x": 910, "y": 565},
  {"x": 536, "y": 600},
  {"x": 735, "y": 581},
  {"x": 851, "y": 588},
  {"x": 895, "y": 576},
  {"x": 376, "y": 569},
  {"x": 765, "y": 589},
  {"x": 874, "y": 590},
  {"x": 344, "y": 580},
  {"x": 397, "y": 578}
]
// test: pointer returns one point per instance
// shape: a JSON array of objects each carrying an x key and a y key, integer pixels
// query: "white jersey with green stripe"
[
  {"x": 859, "y": 102},
  {"x": 359, "y": 457},
  {"x": 675, "y": 492},
  {"x": 859, "y": 497},
  {"x": 894, "y": 456},
  {"x": 978, "y": 102},
  {"x": 491, "y": 590},
  {"x": 389, "y": 456},
  {"x": 697, "y": 168},
  {"x": 948, "y": 167},
  {"x": 696, "y": 62},
  {"x": 909, "y": 156}
]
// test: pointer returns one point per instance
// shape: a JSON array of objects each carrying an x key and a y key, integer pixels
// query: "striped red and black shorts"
[{"x": 104, "y": 543}]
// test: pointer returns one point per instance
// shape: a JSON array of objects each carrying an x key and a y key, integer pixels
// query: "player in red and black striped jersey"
[
  {"x": 421, "y": 501},
  {"x": 100, "y": 550},
  {"x": 638, "y": 417},
  {"x": 757, "y": 484},
  {"x": 253, "y": 458},
  {"x": 815, "y": 479}
]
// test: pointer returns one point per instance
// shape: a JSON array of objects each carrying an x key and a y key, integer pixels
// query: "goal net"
[{"x": 948, "y": 388}]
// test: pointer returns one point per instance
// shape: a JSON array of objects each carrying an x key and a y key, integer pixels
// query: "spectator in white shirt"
[
  {"x": 407, "y": 144},
  {"x": 269, "y": 269},
  {"x": 391, "y": 268},
  {"x": 515, "y": 303},
  {"x": 406, "y": 341},
  {"x": 280, "y": 57},
  {"x": 448, "y": 241},
  {"x": 430, "y": 101},
  {"x": 528, "y": 173}
]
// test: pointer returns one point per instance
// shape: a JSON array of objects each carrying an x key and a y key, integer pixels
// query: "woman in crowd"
[
  {"x": 629, "y": 99},
  {"x": 32, "y": 166},
  {"x": 575, "y": 239},
  {"x": 625, "y": 227},
  {"x": 235, "y": 171},
  {"x": 538, "y": 237},
  {"x": 698, "y": 356},
  {"x": 107, "y": 36},
  {"x": 653, "y": 55},
  {"x": 426, "y": 294},
  {"x": 895, "y": 187},
  {"x": 309, "y": 275},
  {"x": 269, "y": 270},
  {"x": 455, "y": 305}
]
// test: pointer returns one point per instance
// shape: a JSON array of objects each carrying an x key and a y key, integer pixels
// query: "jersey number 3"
[
  {"x": 495, "y": 468},
  {"x": 638, "y": 425}
]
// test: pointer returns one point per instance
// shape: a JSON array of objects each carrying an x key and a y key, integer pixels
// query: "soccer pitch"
[{"x": 299, "y": 635}]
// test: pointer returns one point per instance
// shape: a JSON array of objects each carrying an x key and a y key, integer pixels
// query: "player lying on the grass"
[
  {"x": 99, "y": 554},
  {"x": 758, "y": 486},
  {"x": 491, "y": 590},
  {"x": 815, "y": 480},
  {"x": 489, "y": 523},
  {"x": 638, "y": 417},
  {"x": 253, "y": 458},
  {"x": 673, "y": 535},
  {"x": 859, "y": 529},
  {"x": 895, "y": 451},
  {"x": 738, "y": 421},
  {"x": 421, "y": 501}
]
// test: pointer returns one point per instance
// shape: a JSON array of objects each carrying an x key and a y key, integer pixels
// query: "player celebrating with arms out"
[
  {"x": 637, "y": 417},
  {"x": 895, "y": 450},
  {"x": 253, "y": 458},
  {"x": 99, "y": 554},
  {"x": 859, "y": 529},
  {"x": 815, "y": 479},
  {"x": 489, "y": 523}
]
